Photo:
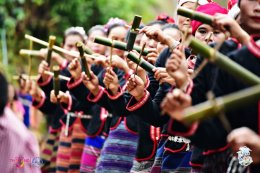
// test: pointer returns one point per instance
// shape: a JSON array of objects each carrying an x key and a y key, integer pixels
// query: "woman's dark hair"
[{"x": 3, "y": 93}]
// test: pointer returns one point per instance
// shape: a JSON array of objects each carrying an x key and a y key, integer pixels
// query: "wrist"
[
  {"x": 95, "y": 91},
  {"x": 114, "y": 90},
  {"x": 140, "y": 96},
  {"x": 243, "y": 38}
]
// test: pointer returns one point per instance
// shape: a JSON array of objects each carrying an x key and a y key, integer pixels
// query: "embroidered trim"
[
  {"x": 64, "y": 64},
  {"x": 127, "y": 75},
  {"x": 209, "y": 152},
  {"x": 253, "y": 47},
  {"x": 147, "y": 82},
  {"x": 138, "y": 104},
  {"x": 117, "y": 123},
  {"x": 71, "y": 83},
  {"x": 37, "y": 106},
  {"x": 93, "y": 98},
  {"x": 45, "y": 82},
  {"x": 114, "y": 97},
  {"x": 175, "y": 151},
  {"x": 195, "y": 164},
  {"x": 128, "y": 129},
  {"x": 190, "y": 131}
]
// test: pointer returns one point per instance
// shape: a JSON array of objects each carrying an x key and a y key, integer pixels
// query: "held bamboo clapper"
[
  {"x": 56, "y": 80},
  {"x": 52, "y": 40},
  {"x": 133, "y": 33},
  {"x": 83, "y": 61}
]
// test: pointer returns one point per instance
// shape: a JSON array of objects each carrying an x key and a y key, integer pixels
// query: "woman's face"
[
  {"x": 250, "y": 16},
  {"x": 207, "y": 34},
  {"x": 97, "y": 48},
  {"x": 118, "y": 33},
  {"x": 184, "y": 22},
  {"x": 70, "y": 44}
]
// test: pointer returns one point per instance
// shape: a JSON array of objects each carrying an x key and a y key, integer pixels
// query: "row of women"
[{"x": 120, "y": 118}]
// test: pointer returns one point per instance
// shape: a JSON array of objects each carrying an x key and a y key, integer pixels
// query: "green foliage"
[{"x": 42, "y": 18}]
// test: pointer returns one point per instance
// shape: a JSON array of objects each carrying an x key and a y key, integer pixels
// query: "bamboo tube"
[
  {"x": 83, "y": 61},
  {"x": 56, "y": 80},
  {"x": 223, "y": 62},
  {"x": 24, "y": 76},
  {"x": 30, "y": 60},
  {"x": 87, "y": 50},
  {"x": 56, "y": 48},
  {"x": 59, "y": 49},
  {"x": 226, "y": 103},
  {"x": 30, "y": 52},
  {"x": 194, "y": 15},
  {"x": 142, "y": 63},
  {"x": 52, "y": 40},
  {"x": 117, "y": 44},
  {"x": 133, "y": 33},
  {"x": 60, "y": 76}
]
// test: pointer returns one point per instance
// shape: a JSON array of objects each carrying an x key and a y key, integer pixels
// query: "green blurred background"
[{"x": 42, "y": 18}]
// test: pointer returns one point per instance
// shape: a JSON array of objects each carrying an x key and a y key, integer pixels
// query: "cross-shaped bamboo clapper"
[
  {"x": 83, "y": 61},
  {"x": 56, "y": 48}
]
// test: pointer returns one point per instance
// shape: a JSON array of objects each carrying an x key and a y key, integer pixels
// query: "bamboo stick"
[
  {"x": 83, "y": 61},
  {"x": 56, "y": 80},
  {"x": 117, "y": 44},
  {"x": 133, "y": 33},
  {"x": 30, "y": 52},
  {"x": 142, "y": 63},
  {"x": 60, "y": 76},
  {"x": 226, "y": 103},
  {"x": 52, "y": 40},
  {"x": 87, "y": 50},
  {"x": 194, "y": 15},
  {"x": 24, "y": 76},
  {"x": 223, "y": 62},
  {"x": 56, "y": 48}
]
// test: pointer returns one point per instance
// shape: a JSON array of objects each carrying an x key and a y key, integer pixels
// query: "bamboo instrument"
[
  {"x": 30, "y": 52},
  {"x": 225, "y": 103},
  {"x": 56, "y": 80},
  {"x": 133, "y": 33},
  {"x": 87, "y": 50},
  {"x": 60, "y": 76},
  {"x": 83, "y": 61},
  {"x": 142, "y": 63},
  {"x": 223, "y": 61},
  {"x": 52, "y": 40},
  {"x": 56, "y": 48},
  {"x": 25, "y": 77},
  {"x": 118, "y": 44}
]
